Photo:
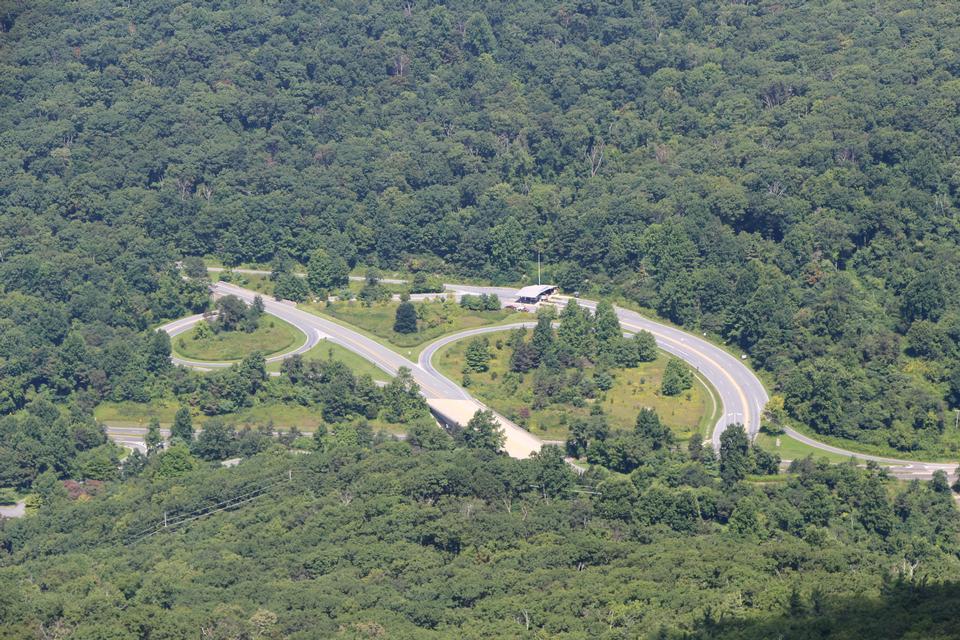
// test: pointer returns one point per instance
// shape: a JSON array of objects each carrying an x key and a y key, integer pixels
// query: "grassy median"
[
  {"x": 632, "y": 390},
  {"x": 790, "y": 449},
  {"x": 325, "y": 349},
  {"x": 437, "y": 318},
  {"x": 272, "y": 336}
]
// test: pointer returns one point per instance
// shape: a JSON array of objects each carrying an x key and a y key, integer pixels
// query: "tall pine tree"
[
  {"x": 542, "y": 341},
  {"x": 575, "y": 333},
  {"x": 607, "y": 328},
  {"x": 477, "y": 356}
]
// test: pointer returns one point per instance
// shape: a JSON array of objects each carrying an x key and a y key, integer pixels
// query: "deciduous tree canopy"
[
  {"x": 782, "y": 175},
  {"x": 469, "y": 540},
  {"x": 713, "y": 161}
]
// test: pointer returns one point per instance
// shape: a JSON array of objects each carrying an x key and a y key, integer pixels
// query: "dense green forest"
[
  {"x": 782, "y": 174},
  {"x": 373, "y": 539}
]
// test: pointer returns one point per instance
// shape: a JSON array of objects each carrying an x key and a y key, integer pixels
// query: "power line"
[
  {"x": 168, "y": 524},
  {"x": 172, "y": 518}
]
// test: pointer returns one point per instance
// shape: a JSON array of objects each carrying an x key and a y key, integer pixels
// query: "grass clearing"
[
  {"x": 686, "y": 413},
  {"x": 361, "y": 270},
  {"x": 437, "y": 318},
  {"x": 714, "y": 406},
  {"x": 284, "y": 416},
  {"x": 272, "y": 336},
  {"x": 260, "y": 283},
  {"x": 948, "y": 438},
  {"x": 217, "y": 263},
  {"x": 136, "y": 414},
  {"x": 356, "y": 286},
  {"x": 326, "y": 349},
  {"x": 633, "y": 389},
  {"x": 791, "y": 449}
]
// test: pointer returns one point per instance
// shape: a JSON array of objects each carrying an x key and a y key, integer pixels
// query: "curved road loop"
[
  {"x": 741, "y": 392},
  {"x": 742, "y": 395}
]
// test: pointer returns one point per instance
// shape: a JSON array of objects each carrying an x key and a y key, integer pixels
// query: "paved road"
[
  {"x": 426, "y": 356},
  {"x": 741, "y": 393},
  {"x": 433, "y": 386},
  {"x": 386, "y": 359},
  {"x": 904, "y": 469},
  {"x": 683, "y": 347}
]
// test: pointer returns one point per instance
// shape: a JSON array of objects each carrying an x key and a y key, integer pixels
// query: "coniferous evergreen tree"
[
  {"x": 406, "y": 318},
  {"x": 650, "y": 428},
  {"x": 676, "y": 378},
  {"x": 607, "y": 328},
  {"x": 543, "y": 340}
]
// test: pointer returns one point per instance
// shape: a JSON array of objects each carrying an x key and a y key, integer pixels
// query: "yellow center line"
[{"x": 743, "y": 397}]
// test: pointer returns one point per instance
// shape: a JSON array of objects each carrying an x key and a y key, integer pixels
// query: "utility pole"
[{"x": 538, "y": 268}]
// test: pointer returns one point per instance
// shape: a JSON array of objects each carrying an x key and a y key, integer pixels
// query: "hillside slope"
[
  {"x": 780, "y": 173},
  {"x": 395, "y": 542}
]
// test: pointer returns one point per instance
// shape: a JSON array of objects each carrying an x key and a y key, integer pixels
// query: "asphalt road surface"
[
  {"x": 741, "y": 392},
  {"x": 426, "y": 356},
  {"x": 17, "y": 510},
  {"x": 386, "y": 359},
  {"x": 904, "y": 469},
  {"x": 432, "y": 385}
]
